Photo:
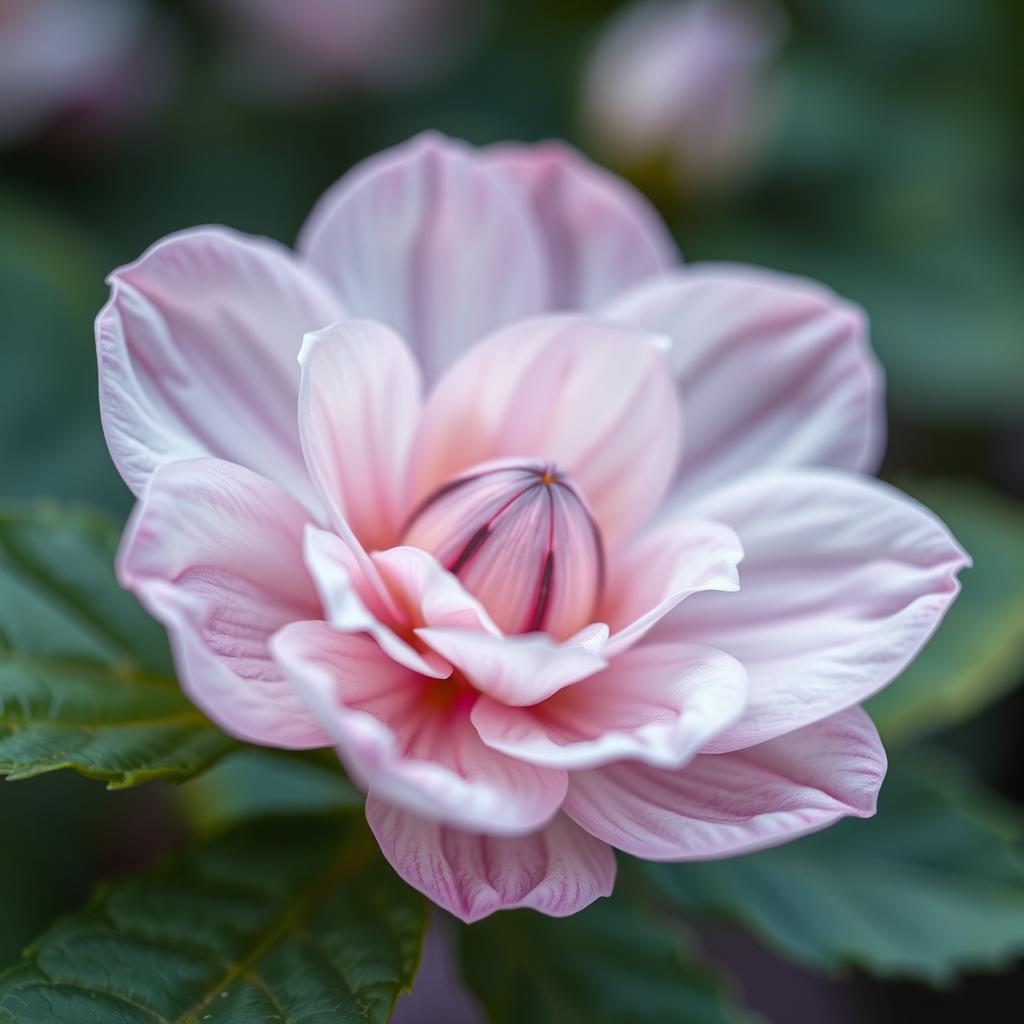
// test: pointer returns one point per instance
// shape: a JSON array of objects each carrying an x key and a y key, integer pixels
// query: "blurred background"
[{"x": 875, "y": 145}]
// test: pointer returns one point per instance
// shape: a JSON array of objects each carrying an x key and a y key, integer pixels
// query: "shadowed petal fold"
[
  {"x": 522, "y": 669},
  {"x": 214, "y": 552},
  {"x": 558, "y": 870},
  {"x": 659, "y": 704},
  {"x": 772, "y": 370},
  {"x": 425, "y": 239},
  {"x": 408, "y": 738},
  {"x": 196, "y": 350},
  {"x": 356, "y": 600},
  {"x": 721, "y": 805}
]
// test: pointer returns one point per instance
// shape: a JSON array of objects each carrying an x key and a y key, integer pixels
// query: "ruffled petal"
[
  {"x": 430, "y": 594},
  {"x": 214, "y": 552},
  {"x": 523, "y": 669},
  {"x": 359, "y": 406},
  {"x": 593, "y": 397},
  {"x": 197, "y": 348},
  {"x": 654, "y": 573},
  {"x": 558, "y": 870},
  {"x": 408, "y": 739},
  {"x": 356, "y": 600},
  {"x": 721, "y": 805},
  {"x": 773, "y": 371},
  {"x": 601, "y": 234},
  {"x": 425, "y": 239},
  {"x": 843, "y": 582},
  {"x": 659, "y": 704}
]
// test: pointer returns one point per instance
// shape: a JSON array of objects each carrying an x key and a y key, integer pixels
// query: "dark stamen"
[
  {"x": 543, "y": 594},
  {"x": 470, "y": 549}
]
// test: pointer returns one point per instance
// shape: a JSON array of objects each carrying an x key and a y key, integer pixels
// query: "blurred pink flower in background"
[
  {"x": 300, "y": 46},
  {"x": 394, "y": 499},
  {"x": 684, "y": 85},
  {"x": 80, "y": 66}
]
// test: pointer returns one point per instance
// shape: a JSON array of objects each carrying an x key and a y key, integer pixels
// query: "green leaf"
[
  {"x": 932, "y": 886},
  {"x": 85, "y": 677},
  {"x": 288, "y": 920},
  {"x": 602, "y": 966},
  {"x": 977, "y": 655}
]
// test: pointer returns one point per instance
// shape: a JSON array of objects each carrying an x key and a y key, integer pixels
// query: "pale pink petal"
[
  {"x": 843, "y": 581},
  {"x": 772, "y": 371},
  {"x": 425, "y": 239},
  {"x": 558, "y": 870},
  {"x": 408, "y": 738},
  {"x": 431, "y": 595},
  {"x": 664, "y": 565},
  {"x": 214, "y": 552},
  {"x": 659, "y": 704},
  {"x": 359, "y": 406},
  {"x": 592, "y": 397},
  {"x": 725, "y": 804},
  {"x": 602, "y": 235},
  {"x": 523, "y": 669},
  {"x": 521, "y": 539},
  {"x": 197, "y": 348},
  {"x": 356, "y": 600}
]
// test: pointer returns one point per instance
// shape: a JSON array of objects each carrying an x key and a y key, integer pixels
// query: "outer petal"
[
  {"x": 409, "y": 739},
  {"x": 423, "y": 238},
  {"x": 215, "y": 553},
  {"x": 725, "y": 804},
  {"x": 658, "y": 704},
  {"x": 844, "y": 580},
  {"x": 359, "y": 406},
  {"x": 651, "y": 575},
  {"x": 522, "y": 669},
  {"x": 773, "y": 371},
  {"x": 197, "y": 349},
  {"x": 602, "y": 235},
  {"x": 558, "y": 870},
  {"x": 593, "y": 397}
]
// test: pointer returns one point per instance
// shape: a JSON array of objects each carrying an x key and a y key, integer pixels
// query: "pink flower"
[
  {"x": 684, "y": 84},
  {"x": 74, "y": 65},
  {"x": 489, "y": 549},
  {"x": 296, "y": 46}
]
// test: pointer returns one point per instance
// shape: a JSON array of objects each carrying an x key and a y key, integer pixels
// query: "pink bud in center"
[{"x": 521, "y": 539}]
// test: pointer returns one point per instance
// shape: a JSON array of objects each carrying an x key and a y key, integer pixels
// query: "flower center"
[{"x": 521, "y": 539}]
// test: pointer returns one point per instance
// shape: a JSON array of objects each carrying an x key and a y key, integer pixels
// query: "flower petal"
[
  {"x": 558, "y": 870},
  {"x": 424, "y": 239},
  {"x": 431, "y": 595},
  {"x": 773, "y": 371},
  {"x": 602, "y": 235},
  {"x": 593, "y": 397},
  {"x": 659, "y": 704},
  {"x": 359, "y": 406},
  {"x": 844, "y": 580},
  {"x": 197, "y": 348},
  {"x": 356, "y": 600},
  {"x": 662, "y": 567},
  {"x": 721, "y": 805},
  {"x": 214, "y": 552},
  {"x": 522, "y": 669},
  {"x": 408, "y": 738}
]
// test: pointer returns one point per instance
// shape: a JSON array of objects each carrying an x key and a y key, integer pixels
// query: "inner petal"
[{"x": 521, "y": 538}]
